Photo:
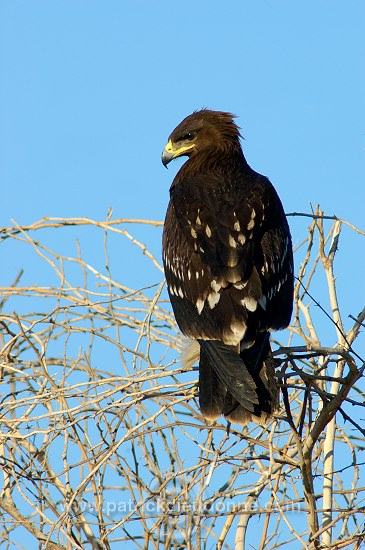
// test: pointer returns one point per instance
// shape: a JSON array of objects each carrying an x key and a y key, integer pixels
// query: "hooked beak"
[
  {"x": 172, "y": 152},
  {"x": 167, "y": 154}
]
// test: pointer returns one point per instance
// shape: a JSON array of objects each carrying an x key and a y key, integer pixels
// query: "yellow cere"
[{"x": 177, "y": 152}]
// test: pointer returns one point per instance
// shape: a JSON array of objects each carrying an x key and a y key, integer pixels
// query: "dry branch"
[{"x": 101, "y": 439}]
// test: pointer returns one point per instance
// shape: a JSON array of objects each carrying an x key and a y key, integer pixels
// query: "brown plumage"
[{"x": 229, "y": 268}]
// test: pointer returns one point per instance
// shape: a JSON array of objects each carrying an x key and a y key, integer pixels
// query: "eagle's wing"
[{"x": 277, "y": 274}]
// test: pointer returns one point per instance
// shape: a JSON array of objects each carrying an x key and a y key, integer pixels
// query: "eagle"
[{"x": 228, "y": 262}]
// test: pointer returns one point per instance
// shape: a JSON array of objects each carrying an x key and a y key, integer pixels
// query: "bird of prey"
[{"x": 228, "y": 262}]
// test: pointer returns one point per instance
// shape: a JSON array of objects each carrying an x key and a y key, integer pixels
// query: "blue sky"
[{"x": 91, "y": 90}]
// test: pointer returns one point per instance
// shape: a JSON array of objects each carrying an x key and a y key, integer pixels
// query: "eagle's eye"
[{"x": 188, "y": 137}]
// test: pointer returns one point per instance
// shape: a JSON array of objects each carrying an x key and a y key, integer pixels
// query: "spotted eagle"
[{"x": 228, "y": 262}]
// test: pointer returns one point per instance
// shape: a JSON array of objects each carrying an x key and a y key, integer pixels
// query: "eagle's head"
[{"x": 201, "y": 132}]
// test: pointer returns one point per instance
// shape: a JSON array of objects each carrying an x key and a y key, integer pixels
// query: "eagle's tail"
[{"x": 240, "y": 386}]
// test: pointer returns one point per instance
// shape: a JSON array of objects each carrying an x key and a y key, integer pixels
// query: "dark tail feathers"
[{"x": 240, "y": 386}]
